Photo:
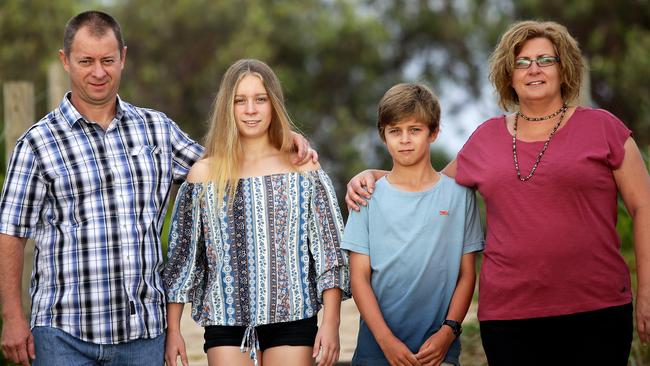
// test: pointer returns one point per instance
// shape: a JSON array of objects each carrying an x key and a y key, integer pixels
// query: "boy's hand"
[
  {"x": 434, "y": 349},
  {"x": 397, "y": 353},
  {"x": 359, "y": 190}
]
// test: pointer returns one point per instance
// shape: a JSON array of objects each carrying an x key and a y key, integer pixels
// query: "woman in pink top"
[{"x": 553, "y": 288}]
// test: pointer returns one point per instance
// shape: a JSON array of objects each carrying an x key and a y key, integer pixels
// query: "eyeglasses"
[{"x": 541, "y": 61}]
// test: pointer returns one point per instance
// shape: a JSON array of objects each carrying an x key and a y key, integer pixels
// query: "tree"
[
  {"x": 335, "y": 59},
  {"x": 31, "y": 33},
  {"x": 615, "y": 38}
]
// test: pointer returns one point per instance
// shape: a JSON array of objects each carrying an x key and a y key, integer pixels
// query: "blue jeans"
[{"x": 56, "y": 347}]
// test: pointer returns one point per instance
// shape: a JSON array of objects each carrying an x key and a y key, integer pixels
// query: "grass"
[{"x": 472, "y": 351}]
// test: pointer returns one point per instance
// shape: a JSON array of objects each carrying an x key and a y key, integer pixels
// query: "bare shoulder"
[
  {"x": 199, "y": 171},
  {"x": 305, "y": 167}
]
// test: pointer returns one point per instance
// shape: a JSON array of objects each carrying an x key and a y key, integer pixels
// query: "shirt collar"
[{"x": 71, "y": 115}]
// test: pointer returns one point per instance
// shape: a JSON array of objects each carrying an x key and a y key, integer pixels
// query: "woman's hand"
[
  {"x": 174, "y": 347},
  {"x": 361, "y": 187},
  {"x": 327, "y": 344}
]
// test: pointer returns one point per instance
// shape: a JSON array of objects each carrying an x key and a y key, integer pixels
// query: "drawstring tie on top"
[{"x": 250, "y": 343}]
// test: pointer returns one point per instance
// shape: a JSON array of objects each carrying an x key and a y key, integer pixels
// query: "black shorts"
[{"x": 296, "y": 333}]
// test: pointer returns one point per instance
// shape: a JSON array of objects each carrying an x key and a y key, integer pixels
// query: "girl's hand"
[
  {"x": 327, "y": 344},
  {"x": 174, "y": 347}
]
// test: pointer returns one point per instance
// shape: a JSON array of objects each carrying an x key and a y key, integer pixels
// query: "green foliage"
[
  {"x": 615, "y": 38},
  {"x": 31, "y": 33},
  {"x": 335, "y": 59},
  {"x": 3, "y": 361},
  {"x": 322, "y": 51},
  {"x": 472, "y": 349}
]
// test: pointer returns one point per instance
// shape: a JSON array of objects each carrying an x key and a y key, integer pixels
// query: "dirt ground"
[
  {"x": 348, "y": 332},
  {"x": 193, "y": 334}
]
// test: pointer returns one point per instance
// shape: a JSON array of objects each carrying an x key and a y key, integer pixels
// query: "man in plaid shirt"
[{"x": 90, "y": 182}]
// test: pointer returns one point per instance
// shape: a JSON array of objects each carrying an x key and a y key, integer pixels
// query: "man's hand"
[
  {"x": 17, "y": 340},
  {"x": 304, "y": 152}
]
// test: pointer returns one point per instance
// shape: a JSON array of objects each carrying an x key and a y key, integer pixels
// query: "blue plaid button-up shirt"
[{"x": 94, "y": 201}]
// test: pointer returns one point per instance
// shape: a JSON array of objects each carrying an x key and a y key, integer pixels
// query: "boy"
[{"x": 412, "y": 247}]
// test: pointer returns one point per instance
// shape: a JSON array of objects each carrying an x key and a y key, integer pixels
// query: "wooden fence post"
[
  {"x": 57, "y": 84},
  {"x": 18, "y": 116}
]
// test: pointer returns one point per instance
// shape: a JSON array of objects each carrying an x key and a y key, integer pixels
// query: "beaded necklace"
[
  {"x": 541, "y": 153},
  {"x": 544, "y": 118}
]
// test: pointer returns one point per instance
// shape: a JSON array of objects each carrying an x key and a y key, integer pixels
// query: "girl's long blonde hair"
[{"x": 222, "y": 142}]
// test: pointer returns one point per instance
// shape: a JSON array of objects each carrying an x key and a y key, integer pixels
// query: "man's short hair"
[
  {"x": 408, "y": 100},
  {"x": 97, "y": 22}
]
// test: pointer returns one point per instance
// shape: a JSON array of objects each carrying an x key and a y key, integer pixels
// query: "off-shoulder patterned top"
[{"x": 267, "y": 258}]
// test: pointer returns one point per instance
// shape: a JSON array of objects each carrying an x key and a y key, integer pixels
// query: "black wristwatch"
[{"x": 454, "y": 325}]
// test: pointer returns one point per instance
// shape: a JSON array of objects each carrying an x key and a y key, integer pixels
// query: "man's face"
[{"x": 95, "y": 66}]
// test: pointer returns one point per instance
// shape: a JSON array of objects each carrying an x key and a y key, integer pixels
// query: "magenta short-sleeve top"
[{"x": 551, "y": 244}]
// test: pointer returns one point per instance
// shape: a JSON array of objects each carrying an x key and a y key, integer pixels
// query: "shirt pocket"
[
  {"x": 150, "y": 167},
  {"x": 144, "y": 156},
  {"x": 145, "y": 150}
]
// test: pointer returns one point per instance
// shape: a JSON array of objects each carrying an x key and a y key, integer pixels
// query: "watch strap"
[{"x": 454, "y": 325}]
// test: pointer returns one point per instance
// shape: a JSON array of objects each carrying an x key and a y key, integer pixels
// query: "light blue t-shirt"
[{"x": 415, "y": 241}]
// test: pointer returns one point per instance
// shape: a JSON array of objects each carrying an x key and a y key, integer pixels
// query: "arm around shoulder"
[
  {"x": 361, "y": 186},
  {"x": 450, "y": 169},
  {"x": 307, "y": 166}
]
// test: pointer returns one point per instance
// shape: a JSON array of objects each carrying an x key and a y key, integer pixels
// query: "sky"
[{"x": 456, "y": 126}]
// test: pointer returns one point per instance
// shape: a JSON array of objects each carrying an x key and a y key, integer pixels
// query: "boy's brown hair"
[{"x": 408, "y": 100}]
